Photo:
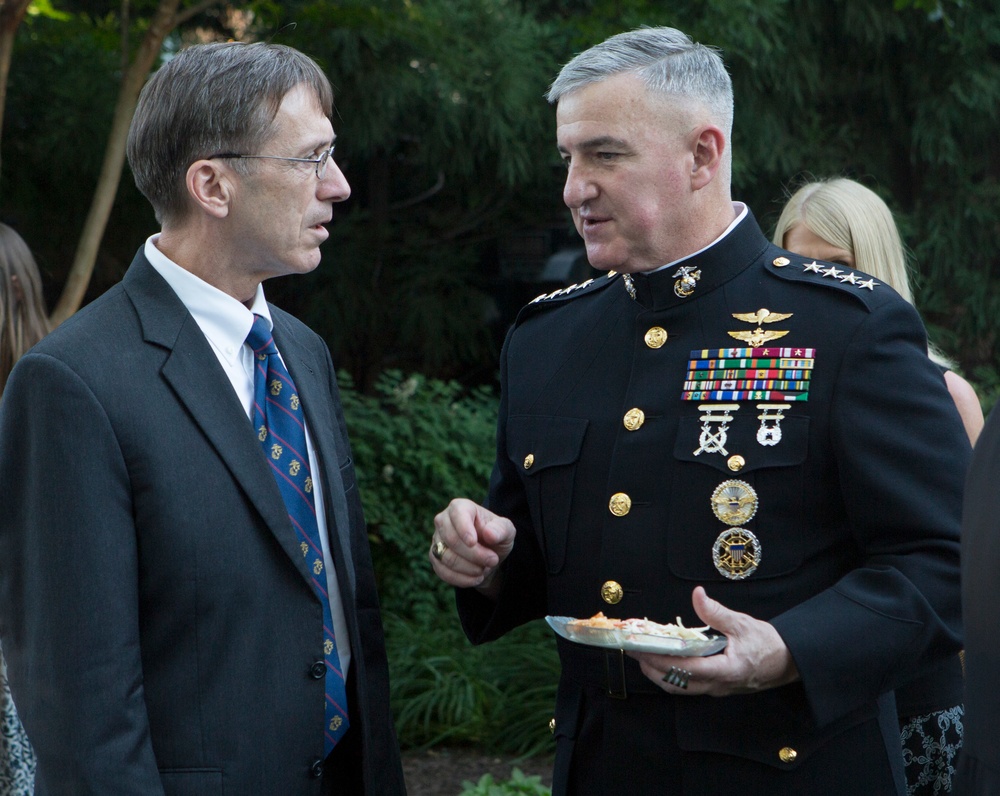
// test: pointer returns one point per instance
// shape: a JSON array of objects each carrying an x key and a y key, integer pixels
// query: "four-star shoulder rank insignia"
[
  {"x": 847, "y": 277},
  {"x": 758, "y": 337}
]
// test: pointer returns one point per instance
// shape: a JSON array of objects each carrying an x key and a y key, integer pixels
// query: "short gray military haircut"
[
  {"x": 665, "y": 59},
  {"x": 208, "y": 100}
]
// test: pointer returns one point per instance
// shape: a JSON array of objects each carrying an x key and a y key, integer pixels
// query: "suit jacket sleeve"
[
  {"x": 901, "y": 456},
  {"x": 67, "y": 524}
]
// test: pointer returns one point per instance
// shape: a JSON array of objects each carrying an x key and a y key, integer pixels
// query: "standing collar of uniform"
[
  {"x": 222, "y": 319},
  {"x": 731, "y": 253}
]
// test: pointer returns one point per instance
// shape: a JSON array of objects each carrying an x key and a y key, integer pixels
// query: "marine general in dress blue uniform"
[{"x": 717, "y": 430}]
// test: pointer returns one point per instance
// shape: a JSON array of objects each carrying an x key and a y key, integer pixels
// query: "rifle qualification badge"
[{"x": 714, "y": 440}]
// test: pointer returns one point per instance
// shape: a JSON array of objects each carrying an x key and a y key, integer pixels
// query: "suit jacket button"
[
  {"x": 316, "y": 769},
  {"x": 787, "y": 754},
  {"x": 318, "y": 670}
]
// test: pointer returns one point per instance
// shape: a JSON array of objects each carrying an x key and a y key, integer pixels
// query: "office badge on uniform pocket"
[
  {"x": 734, "y": 502},
  {"x": 736, "y": 553}
]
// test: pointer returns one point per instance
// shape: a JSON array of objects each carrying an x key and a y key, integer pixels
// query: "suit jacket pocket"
[
  {"x": 545, "y": 451},
  {"x": 192, "y": 781}
]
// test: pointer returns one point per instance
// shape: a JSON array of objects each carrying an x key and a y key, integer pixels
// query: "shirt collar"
[
  {"x": 739, "y": 208},
  {"x": 222, "y": 319}
]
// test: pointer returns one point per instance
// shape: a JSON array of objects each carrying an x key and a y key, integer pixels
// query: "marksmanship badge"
[
  {"x": 714, "y": 441},
  {"x": 736, "y": 553},
  {"x": 770, "y": 435}
]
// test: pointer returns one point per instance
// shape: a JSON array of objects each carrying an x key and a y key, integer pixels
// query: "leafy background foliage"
[{"x": 417, "y": 443}]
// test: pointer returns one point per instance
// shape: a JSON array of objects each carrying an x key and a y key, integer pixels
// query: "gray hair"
[
  {"x": 208, "y": 100},
  {"x": 666, "y": 60}
]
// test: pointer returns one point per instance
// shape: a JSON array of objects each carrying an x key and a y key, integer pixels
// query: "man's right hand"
[{"x": 468, "y": 544}]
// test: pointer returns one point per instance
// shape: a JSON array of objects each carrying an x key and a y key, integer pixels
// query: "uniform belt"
[{"x": 612, "y": 671}]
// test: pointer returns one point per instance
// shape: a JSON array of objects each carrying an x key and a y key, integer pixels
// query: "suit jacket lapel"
[
  {"x": 194, "y": 373},
  {"x": 317, "y": 402}
]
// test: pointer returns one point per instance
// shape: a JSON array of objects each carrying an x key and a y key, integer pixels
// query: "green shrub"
[
  {"x": 517, "y": 784},
  {"x": 446, "y": 691},
  {"x": 418, "y": 443}
]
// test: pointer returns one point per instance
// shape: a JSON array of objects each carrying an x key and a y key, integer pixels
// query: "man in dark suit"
[
  {"x": 720, "y": 431},
  {"x": 978, "y": 771},
  {"x": 174, "y": 622}
]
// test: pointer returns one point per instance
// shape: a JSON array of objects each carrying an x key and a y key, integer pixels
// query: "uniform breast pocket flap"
[{"x": 545, "y": 451}]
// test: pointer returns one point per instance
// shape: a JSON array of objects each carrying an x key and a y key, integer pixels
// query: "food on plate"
[{"x": 643, "y": 627}]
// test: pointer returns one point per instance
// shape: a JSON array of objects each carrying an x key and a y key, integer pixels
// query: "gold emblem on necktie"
[
  {"x": 293, "y": 468},
  {"x": 327, "y": 646},
  {"x": 304, "y": 548},
  {"x": 770, "y": 435},
  {"x": 294, "y": 401},
  {"x": 758, "y": 337},
  {"x": 335, "y": 723},
  {"x": 309, "y": 484},
  {"x": 276, "y": 451},
  {"x": 734, "y": 502},
  {"x": 262, "y": 433},
  {"x": 317, "y": 566},
  {"x": 275, "y": 387},
  {"x": 736, "y": 553},
  {"x": 685, "y": 285}
]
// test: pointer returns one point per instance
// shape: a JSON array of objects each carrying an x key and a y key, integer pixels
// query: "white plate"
[{"x": 611, "y": 638}]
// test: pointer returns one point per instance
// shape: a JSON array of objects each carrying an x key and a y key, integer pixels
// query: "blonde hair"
[
  {"x": 849, "y": 216},
  {"x": 23, "y": 321}
]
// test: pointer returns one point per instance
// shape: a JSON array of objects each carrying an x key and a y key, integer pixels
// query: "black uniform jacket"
[
  {"x": 157, "y": 616},
  {"x": 978, "y": 771},
  {"x": 842, "y": 444}
]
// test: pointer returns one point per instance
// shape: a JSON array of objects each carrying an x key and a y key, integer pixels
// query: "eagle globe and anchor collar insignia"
[{"x": 736, "y": 553}]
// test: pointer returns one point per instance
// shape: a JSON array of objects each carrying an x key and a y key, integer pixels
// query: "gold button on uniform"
[
  {"x": 528, "y": 461},
  {"x": 656, "y": 337},
  {"x": 634, "y": 418},
  {"x": 787, "y": 754},
  {"x": 781, "y": 262},
  {"x": 620, "y": 504},
  {"x": 612, "y": 592},
  {"x": 736, "y": 463}
]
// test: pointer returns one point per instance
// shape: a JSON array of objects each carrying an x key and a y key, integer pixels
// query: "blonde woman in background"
[
  {"x": 842, "y": 222},
  {"x": 23, "y": 323}
]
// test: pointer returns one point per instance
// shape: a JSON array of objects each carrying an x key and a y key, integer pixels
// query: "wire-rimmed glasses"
[{"x": 319, "y": 162}]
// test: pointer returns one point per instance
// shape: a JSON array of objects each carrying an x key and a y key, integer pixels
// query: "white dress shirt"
[{"x": 226, "y": 322}]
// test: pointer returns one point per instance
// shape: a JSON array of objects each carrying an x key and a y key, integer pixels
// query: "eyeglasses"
[{"x": 319, "y": 162}]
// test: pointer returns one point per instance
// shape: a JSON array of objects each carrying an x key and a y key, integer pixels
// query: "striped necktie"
[{"x": 280, "y": 424}]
